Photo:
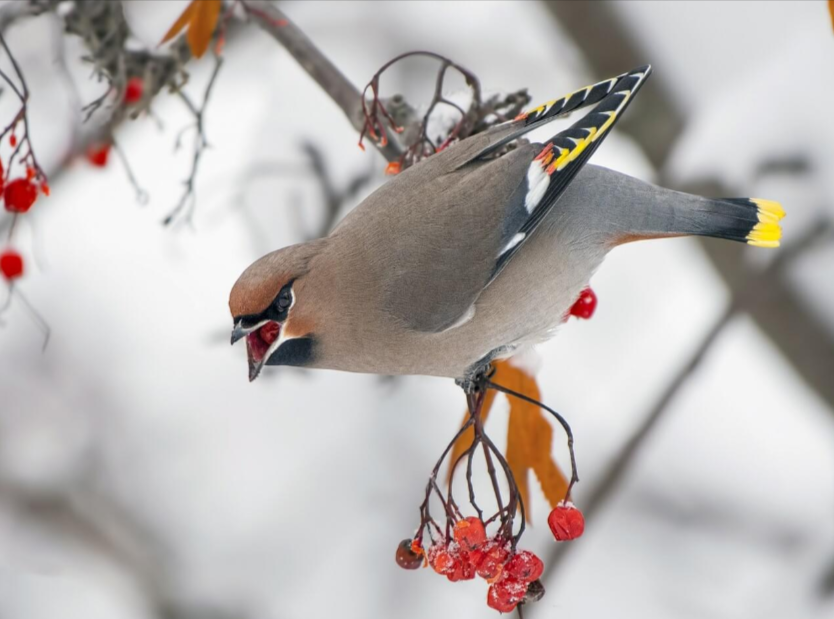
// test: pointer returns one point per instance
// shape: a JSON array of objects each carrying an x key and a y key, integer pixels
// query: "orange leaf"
[
  {"x": 201, "y": 18},
  {"x": 182, "y": 22},
  {"x": 831, "y": 10},
  {"x": 529, "y": 437}
]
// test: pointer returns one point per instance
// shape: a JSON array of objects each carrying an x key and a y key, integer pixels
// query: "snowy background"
[{"x": 142, "y": 476}]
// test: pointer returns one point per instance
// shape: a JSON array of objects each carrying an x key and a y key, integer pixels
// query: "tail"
[
  {"x": 748, "y": 220},
  {"x": 626, "y": 209}
]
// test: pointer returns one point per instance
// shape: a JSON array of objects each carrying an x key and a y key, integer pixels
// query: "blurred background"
[{"x": 142, "y": 476}]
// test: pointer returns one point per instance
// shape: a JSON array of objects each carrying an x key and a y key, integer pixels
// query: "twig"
[
  {"x": 142, "y": 195},
  {"x": 574, "y": 476},
  {"x": 334, "y": 198},
  {"x": 22, "y": 116},
  {"x": 422, "y": 145},
  {"x": 189, "y": 195}
]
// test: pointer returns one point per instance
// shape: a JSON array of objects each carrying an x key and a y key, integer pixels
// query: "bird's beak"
[
  {"x": 239, "y": 331},
  {"x": 261, "y": 340}
]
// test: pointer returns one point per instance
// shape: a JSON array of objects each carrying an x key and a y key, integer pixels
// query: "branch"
[{"x": 275, "y": 22}]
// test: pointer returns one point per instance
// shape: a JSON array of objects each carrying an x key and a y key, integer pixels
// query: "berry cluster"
[
  {"x": 21, "y": 182},
  {"x": 460, "y": 547},
  {"x": 18, "y": 195},
  {"x": 513, "y": 575}
]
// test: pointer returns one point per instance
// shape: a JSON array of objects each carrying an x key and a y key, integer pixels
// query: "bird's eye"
[{"x": 284, "y": 299}]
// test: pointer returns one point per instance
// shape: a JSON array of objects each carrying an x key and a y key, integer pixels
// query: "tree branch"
[{"x": 275, "y": 22}]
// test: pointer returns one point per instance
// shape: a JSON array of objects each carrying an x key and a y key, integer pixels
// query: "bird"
[{"x": 473, "y": 254}]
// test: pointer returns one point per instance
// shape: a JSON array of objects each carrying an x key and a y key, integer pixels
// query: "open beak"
[
  {"x": 260, "y": 341},
  {"x": 240, "y": 331}
]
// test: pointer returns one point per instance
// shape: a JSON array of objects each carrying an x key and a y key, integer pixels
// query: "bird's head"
[{"x": 268, "y": 309}]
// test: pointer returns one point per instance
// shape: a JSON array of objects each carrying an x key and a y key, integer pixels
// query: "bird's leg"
[{"x": 473, "y": 380}]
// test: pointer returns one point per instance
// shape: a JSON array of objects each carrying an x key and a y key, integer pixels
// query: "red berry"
[
  {"x": 470, "y": 533},
  {"x": 462, "y": 569},
  {"x": 392, "y": 168},
  {"x": 495, "y": 553},
  {"x": 44, "y": 188},
  {"x": 11, "y": 264},
  {"x": 20, "y": 195},
  {"x": 500, "y": 604},
  {"x": 566, "y": 522},
  {"x": 524, "y": 566},
  {"x": 13, "y": 140},
  {"x": 98, "y": 155},
  {"x": 476, "y": 557},
  {"x": 406, "y": 557},
  {"x": 510, "y": 589},
  {"x": 134, "y": 90},
  {"x": 585, "y": 305},
  {"x": 440, "y": 559}
]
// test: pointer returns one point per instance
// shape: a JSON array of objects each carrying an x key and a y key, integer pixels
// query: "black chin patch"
[{"x": 298, "y": 352}]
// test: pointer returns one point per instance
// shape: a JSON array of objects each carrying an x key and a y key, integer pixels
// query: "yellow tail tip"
[
  {"x": 765, "y": 234},
  {"x": 769, "y": 211}
]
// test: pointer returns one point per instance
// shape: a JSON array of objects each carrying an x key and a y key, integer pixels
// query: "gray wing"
[{"x": 473, "y": 213}]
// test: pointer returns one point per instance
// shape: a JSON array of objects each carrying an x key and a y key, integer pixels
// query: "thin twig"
[
  {"x": 142, "y": 195},
  {"x": 189, "y": 195}
]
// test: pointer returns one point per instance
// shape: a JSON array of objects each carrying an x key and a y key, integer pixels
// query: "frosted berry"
[
  {"x": 524, "y": 566},
  {"x": 470, "y": 533},
  {"x": 98, "y": 155},
  {"x": 462, "y": 569},
  {"x": 585, "y": 305},
  {"x": 535, "y": 592},
  {"x": 510, "y": 589},
  {"x": 440, "y": 559},
  {"x": 406, "y": 557},
  {"x": 566, "y": 522},
  {"x": 20, "y": 195},
  {"x": 134, "y": 90},
  {"x": 502, "y": 605},
  {"x": 495, "y": 553},
  {"x": 11, "y": 264}
]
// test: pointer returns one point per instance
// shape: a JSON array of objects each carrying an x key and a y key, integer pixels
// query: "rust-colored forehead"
[
  {"x": 255, "y": 290},
  {"x": 258, "y": 286}
]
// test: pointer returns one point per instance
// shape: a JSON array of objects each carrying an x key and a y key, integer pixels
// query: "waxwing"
[{"x": 474, "y": 253}]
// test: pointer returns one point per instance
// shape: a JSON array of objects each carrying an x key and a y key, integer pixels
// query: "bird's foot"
[{"x": 475, "y": 379}]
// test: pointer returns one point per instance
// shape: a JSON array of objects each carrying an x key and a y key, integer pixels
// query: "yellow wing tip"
[{"x": 769, "y": 211}]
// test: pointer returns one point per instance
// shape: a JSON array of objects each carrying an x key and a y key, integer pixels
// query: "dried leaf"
[
  {"x": 182, "y": 22},
  {"x": 201, "y": 18},
  {"x": 529, "y": 437}
]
